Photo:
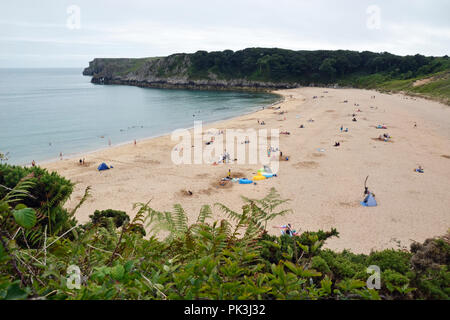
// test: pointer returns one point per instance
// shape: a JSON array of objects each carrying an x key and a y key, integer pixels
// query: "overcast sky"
[{"x": 60, "y": 33}]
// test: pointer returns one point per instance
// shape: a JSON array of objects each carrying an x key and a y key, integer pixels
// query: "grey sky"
[{"x": 36, "y": 34}]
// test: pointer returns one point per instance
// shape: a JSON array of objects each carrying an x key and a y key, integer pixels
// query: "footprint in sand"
[
  {"x": 327, "y": 220},
  {"x": 208, "y": 191},
  {"x": 306, "y": 165},
  {"x": 317, "y": 155},
  {"x": 349, "y": 204}
]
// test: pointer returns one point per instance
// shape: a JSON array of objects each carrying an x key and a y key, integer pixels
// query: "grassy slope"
[{"x": 437, "y": 88}]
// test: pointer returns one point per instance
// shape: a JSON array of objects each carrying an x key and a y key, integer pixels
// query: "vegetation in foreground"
[{"x": 42, "y": 249}]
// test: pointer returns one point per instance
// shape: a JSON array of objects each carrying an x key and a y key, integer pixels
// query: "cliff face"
[{"x": 167, "y": 72}]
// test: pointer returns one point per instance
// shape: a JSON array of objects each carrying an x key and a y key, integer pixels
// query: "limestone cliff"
[{"x": 167, "y": 72}]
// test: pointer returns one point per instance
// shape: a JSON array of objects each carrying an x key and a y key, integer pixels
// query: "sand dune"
[{"x": 324, "y": 183}]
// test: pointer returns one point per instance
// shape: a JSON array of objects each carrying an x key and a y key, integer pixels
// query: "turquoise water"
[{"x": 47, "y": 111}]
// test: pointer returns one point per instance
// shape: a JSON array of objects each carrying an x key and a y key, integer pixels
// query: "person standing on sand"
[
  {"x": 134, "y": 141},
  {"x": 33, "y": 163},
  {"x": 60, "y": 156}
]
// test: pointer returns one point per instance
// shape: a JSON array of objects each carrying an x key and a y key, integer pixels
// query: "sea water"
[{"x": 45, "y": 112}]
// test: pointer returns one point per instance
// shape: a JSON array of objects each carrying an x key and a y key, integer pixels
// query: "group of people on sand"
[{"x": 384, "y": 137}]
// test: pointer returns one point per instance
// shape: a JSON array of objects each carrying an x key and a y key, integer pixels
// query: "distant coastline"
[
  {"x": 48, "y": 111},
  {"x": 266, "y": 69}
]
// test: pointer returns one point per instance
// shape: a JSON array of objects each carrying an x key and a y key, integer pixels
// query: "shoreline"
[
  {"x": 325, "y": 188},
  {"x": 77, "y": 155}
]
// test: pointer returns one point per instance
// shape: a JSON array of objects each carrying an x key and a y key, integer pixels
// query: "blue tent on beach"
[
  {"x": 102, "y": 167},
  {"x": 369, "y": 201}
]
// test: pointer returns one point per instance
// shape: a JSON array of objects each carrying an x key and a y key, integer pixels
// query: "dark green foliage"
[
  {"x": 50, "y": 190},
  {"x": 345, "y": 264},
  {"x": 118, "y": 217},
  {"x": 391, "y": 259},
  {"x": 47, "y": 195},
  {"x": 227, "y": 259},
  {"x": 431, "y": 260},
  {"x": 306, "y": 67}
]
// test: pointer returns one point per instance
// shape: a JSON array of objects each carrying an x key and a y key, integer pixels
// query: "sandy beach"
[{"x": 325, "y": 183}]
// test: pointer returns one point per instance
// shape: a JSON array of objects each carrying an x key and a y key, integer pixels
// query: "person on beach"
[
  {"x": 342, "y": 128},
  {"x": 60, "y": 156},
  {"x": 81, "y": 162},
  {"x": 287, "y": 230},
  {"x": 134, "y": 141},
  {"x": 33, "y": 163}
]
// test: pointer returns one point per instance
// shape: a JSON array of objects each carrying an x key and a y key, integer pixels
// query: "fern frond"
[
  {"x": 20, "y": 191},
  {"x": 180, "y": 219},
  {"x": 205, "y": 213},
  {"x": 80, "y": 203},
  {"x": 231, "y": 214}
]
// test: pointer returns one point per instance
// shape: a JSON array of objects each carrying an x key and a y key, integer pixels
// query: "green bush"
[
  {"x": 47, "y": 195},
  {"x": 118, "y": 217},
  {"x": 230, "y": 259},
  {"x": 391, "y": 259}
]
